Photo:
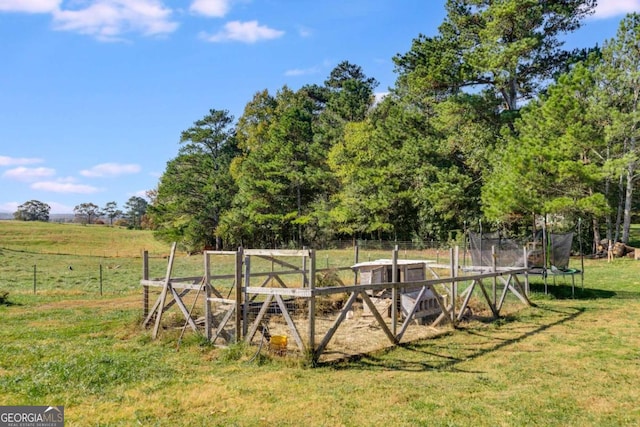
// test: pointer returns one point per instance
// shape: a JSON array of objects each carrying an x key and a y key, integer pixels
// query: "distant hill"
[{"x": 52, "y": 217}]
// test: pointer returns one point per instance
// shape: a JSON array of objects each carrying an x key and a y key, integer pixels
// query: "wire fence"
[{"x": 119, "y": 270}]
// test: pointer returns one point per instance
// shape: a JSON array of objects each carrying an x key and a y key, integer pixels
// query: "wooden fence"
[{"x": 276, "y": 292}]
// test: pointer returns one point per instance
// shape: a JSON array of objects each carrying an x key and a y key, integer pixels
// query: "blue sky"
[{"x": 95, "y": 93}]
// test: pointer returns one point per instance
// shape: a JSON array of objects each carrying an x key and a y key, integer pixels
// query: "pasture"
[{"x": 565, "y": 362}]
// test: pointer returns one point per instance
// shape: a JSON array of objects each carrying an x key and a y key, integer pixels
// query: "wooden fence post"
[
  {"x": 145, "y": 288},
  {"x": 356, "y": 257},
  {"x": 238, "y": 282},
  {"x": 244, "y": 308},
  {"x": 394, "y": 291},
  {"x": 494, "y": 269},
  {"x": 207, "y": 295},
  {"x": 305, "y": 280},
  {"x": 454, "y": 284},
  {"x": 526, "y": 274},
  {"x": 312, "y": 306}
]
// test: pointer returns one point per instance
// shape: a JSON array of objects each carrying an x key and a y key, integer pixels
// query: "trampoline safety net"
[{"x": 509, "y": 252}]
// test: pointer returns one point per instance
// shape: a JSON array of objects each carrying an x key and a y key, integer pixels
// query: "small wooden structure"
[{"x": 381, "y": 271}]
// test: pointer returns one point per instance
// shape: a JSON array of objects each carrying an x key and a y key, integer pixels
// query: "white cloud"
[
  {"x": 213, "y": 8},
  {"x": 301, "y": 71},
  {"x": 609, "y": 8},
  {"x": 107, "y": 20},
  {"x": 246, "y": 32},
  {"x": 18, "y": 161},
  {"x": 64, "y": 187},
  {"x": 28, "y": 174},
  {"x": 29, "y": 6},
  {"x": 110, "y": 170}
]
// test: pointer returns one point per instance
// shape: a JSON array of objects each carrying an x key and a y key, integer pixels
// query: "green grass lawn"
[{"x": 566, "y": 362}]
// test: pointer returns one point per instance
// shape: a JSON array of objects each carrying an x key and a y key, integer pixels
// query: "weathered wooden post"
[
  {"x": 207, "y": 295},
  {"x": 145, "y": 288},
  {"x": 454, "y": 284},
  {"x": 305, "y": 281},
  {"x": 394, "y": 291},
  {"x": 165, "y": 290},
  {"x": 312, "y": 305},
  {"x": 238, "y": 282},
  {"x": 526, "y": 273},
  {"x": 494, "y": 269},
  {"x": 356, "y": 257},
  {"x": 244, "y": 306}
]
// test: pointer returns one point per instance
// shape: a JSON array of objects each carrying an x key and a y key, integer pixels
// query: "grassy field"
[{"x": 566, "y": 362}]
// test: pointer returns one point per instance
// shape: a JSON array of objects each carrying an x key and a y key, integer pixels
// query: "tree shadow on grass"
[{"x": 436, "y": 354}]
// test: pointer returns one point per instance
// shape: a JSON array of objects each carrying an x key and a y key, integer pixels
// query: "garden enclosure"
[{"x": 325, "y": 313}]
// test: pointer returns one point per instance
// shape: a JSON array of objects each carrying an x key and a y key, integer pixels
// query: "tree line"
[
  {"x": 134, "y": 214},
  {"x": 489, "y": 120}
]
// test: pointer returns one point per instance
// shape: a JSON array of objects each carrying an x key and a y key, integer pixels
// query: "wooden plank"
[
  {"x": 503, "y": 296},
  {"x": 494, "y": 310},
  {"x": 215, "y": 292},
  {"x": 409, "y": 316},
  {"x": 332, "y": 330},
  {"x": 219, "y": 252},
  {"x": 378, "y": 317},
  {"x": 446, "y": 314},
  {"x": 208, "y": 315},
  {"x": 522, "y": 296},
  {"x": 279, "y": 262},
  {"x": 170, "y": 304},
  {"x": 183, "y": 309},
  {"x": 165, "y": 289},
  {"x": 312, "y": 306},
  {"x": 220, "y": 329},
  {"x": 292, "y": 326},
  {"x": 222, "y": 300},
  {"x": 256, "y": 323},
  {"x": 279, "y": 280},
  {"x": 145, "y": 289},
  {"x": 414, "y": 284},
  {"x": 245, "y": 295},
  {"x": 277, "y": 252},
  {"x": 176, "y": 285},
  {"x": 521, "y": 291},
  {"x": 467, "y": 297},
  {"x": 394, "y": 291},
  {"x": 289, "y": 292}
]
